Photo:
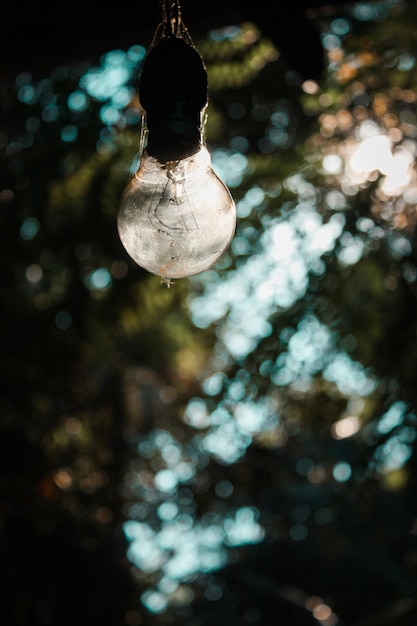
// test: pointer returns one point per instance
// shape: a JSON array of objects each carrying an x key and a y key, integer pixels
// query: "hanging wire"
[
  {"x": 170, "y": 23},
  {"x": 143, "y": 138}
]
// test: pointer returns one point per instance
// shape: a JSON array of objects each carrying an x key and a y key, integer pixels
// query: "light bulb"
[{"x": 176, "y": 218}]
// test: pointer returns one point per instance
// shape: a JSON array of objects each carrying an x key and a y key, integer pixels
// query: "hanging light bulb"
[{"x": 176, "y": 217}]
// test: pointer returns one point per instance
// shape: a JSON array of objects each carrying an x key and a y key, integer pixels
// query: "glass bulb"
[{"x": 176, "y": 218}]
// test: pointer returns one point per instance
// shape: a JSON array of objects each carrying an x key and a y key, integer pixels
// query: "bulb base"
[
  {"x": 173, "y": 92},
  {"x": 174, "y": 143}
]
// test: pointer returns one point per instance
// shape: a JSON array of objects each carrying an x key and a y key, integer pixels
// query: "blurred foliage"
[{"x": 239, "y": 448}]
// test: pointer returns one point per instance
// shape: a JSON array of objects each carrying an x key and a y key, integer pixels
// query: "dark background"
[{"x": 37, "y": 36}]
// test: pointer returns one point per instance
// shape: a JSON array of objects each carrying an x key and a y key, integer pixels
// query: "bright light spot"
[
  {"x": 348, "y": 375},
  {"x": 374, "y": 153},
  {"x": 399, "y": 245},
  {"x": 154, "y": 601},
  {"x": 254, "y": 196},
  {"x": 63, "y": 478},
  {"x": 191, "y": 546},
  {"x": 322, "y": 612},
  {"x": 336, "y": 200},
  {"x": 167, "y": 585},
  {"x": 109, "y": 114},
  {"x": 99, "y": 279},
  {"x": 166, "y": 480},
  {"x": 342, "y": 472},
  {"x": 34, "y": 273},
  {"x": 366, "y": 11},
  {"x": 310, "y": 87},
  {"x": 325, "y": 235},
  {"x": 283, "y": 241},
  {"x": 399, "y": 173},
  {"x": 143, "y": 550},
  {"x": 308, "y": 350},
  {"x": 213, "y": 384},
  {"x": 236, "y": 390},
  {"x": 392, "y": 418},
  {"x": 406, "y": 62},
  {"x": 243, "y": 528},
  {"x": 251, "y": 417},
  {"x": 333, "y": 163},
  {"x": 351, "y": 249},
  {"x": 167, "y": 511},
  {"x": 227, "y": 442},
  {"x": 171, "y": 452},
  {"x": 29, "y": 229},
  {"x": 229, "y": 166},
  {"x": 331, "y": 42},
  {"x": 196, "y": 414},
  {"x": 184, "y": 471},
  {"x": 341, "y": 26},
  {"x": 109, "y": 83},
  {"x": 77, "y": 101},
  {"x": 367, "y": 129},
  {"x": 394, "y": 453},
  {"x": 365, "y": 224},
  {"x": 239, "y": 344},
  {"x": 104, "y": 82},
  {"x": 410, "y": 194},
  {"x": 123, "y": 96},
  {"x": 26, "y": 94},
  {"x": 346, "y": 427}
]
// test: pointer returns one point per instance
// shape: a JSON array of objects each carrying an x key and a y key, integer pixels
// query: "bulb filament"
[
  {"x": 173, "y": 212},
  {"x": 176, "y": 174}
]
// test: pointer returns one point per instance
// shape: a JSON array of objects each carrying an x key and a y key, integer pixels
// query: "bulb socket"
[
  {"x": 173, "y": 138},
  {"x": 173, "y": 91}
]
